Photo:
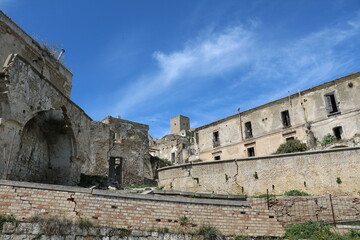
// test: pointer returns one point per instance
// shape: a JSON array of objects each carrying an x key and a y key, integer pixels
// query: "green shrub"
[
  {"x": 208, "y": 232},
  {"x": 338, "y": 180},
  {"x": 7, "y": 218},
  {"x": 55, "y": 225},
  {"x": 327, "y": 139},
  {"x": 85, "y": 223},
  {"x": 291, "y": 146},
  {"x": 184, "y": 220},
  {"x": 123, "y": 232},
  {"x": 163, "y": 230},
  {"x": 308, "y": 230},
  {"x": 296, "y": 193},
  {"x": 255, "y": 175}
]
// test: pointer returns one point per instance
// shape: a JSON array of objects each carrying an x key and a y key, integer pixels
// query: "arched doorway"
[{"x": 46, "y": 149}]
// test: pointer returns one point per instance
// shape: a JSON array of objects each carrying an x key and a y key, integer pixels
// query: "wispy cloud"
[
  {"x": 266, "y": 69},
  {"x": 209, "y": 55}
]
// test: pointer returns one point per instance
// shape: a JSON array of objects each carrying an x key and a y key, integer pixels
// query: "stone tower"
[{"x": 179, "y": 123}]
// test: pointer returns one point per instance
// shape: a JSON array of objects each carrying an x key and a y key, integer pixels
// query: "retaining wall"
[
  {"x": 135, "y": 211},
  {"x": 334, "y": 171}
]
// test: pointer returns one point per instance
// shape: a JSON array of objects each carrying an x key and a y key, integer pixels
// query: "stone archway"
[{"x": 46, "y": 150}]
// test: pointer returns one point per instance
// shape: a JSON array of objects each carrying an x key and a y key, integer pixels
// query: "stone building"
[
  {"x": 44, "y": 136},
  {"x": 309, "y": 115}
]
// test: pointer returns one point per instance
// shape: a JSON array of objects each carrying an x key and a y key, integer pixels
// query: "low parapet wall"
[
  {"x": 135, "y": 211},
  {"x": 333, "y": 171}
]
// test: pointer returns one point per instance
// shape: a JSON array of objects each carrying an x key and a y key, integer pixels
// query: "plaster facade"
[
  {"x": 44, "y": 136},
  {"x": 309, "y": 115},
  {"x": 314, "y": 172}
]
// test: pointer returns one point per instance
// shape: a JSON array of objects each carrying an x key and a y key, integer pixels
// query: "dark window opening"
[
  {"x": 216, "y": 139},
  {"x": 173, "y": 157},
  {"x": 290, "y": 138},
  {"x": 248, "y": 130},
  {"x": 197, "y": 138},
  {"x": 251, "y": 152},
  {"x": 338, "y": 132},
  {"x": 331, "y": 104},
  {"x": 285, "y": 118},
  {"x": 217, "y": 158},
  {"x": 115, "y": 169}
]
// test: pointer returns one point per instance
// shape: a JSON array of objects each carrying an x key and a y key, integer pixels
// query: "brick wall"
[{"x": 135, "y": 211}]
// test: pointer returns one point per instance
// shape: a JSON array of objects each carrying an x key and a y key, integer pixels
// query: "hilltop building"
[{"x": 330, "y": 108}]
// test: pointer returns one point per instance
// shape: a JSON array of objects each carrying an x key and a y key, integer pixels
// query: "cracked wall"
[
  {"x": 44, "y": 136},
  {"x": 135, "y": 211},
  {"x": 313, "y": 172}
]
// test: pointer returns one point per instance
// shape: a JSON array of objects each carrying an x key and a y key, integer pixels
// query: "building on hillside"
[
  {"x": 44, "y": 136},
  {"x": 330, "y": 108}
]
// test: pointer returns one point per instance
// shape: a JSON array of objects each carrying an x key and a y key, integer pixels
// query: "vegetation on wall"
[
  {"x": 317, "y": 230},
  {"x": 338, "y": 180},
  {"x": 328, "y": 139},
  {"x": 291, "y": 146},
  {"x": 208, "y": 232},
  {"x": 296, "y": 193},
  {"x": 6, "y": 218}
]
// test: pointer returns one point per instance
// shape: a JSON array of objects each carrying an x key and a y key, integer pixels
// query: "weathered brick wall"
[
  {"x": 311, "y": 208},
  {"x": 131, "y": 211}
]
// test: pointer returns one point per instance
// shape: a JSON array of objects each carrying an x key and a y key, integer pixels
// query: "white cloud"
[
  {"x": 261, "y": 64},
  {"x": 209, "y": 55}
]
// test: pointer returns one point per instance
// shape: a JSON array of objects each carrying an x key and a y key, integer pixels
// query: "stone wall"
[
  {"x": 45, "y": 137},
  {"x": 134, "y": 211},
  {"x": 15, "y": 40},
  {"x": 290, "y": 210},
  {"x": 25, "y": 230},
  {"x": 313, "y": 172}
]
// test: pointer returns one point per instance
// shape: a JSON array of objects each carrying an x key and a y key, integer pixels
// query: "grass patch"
[
  {"x": 265, "y": 196},
  {"x": 123, "y": 232},
  {"x": 208, "y": 232},
  {"x": 184, "y": 221},
  {"x": 7, "y": 218},
  {"x": 163, "y": 230},
  {"x": 316, "y": 231},
  {"x": 55, "y": 226},
  {"x": 296, "y": 193},
  {"x": 85, "y": 223}
]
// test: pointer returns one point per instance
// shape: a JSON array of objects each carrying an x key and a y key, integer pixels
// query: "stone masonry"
[{"x": 44, "y": 136}]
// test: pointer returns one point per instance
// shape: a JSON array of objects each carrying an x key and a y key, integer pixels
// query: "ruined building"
[
  {"x": 309, "y": 115},
  {"x": 44, "y": 136}
]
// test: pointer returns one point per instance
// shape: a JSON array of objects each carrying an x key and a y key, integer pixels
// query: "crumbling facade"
[
  {"x": 44, "y": 136},
  {"x": 330, "y": 108}
]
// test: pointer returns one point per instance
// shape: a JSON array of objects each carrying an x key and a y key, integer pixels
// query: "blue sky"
[{"x": 148, "y": 61}]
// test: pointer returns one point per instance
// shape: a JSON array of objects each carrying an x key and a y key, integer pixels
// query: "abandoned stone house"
[
  {"x": 44, "y": 136},
  {"x": 309, "y": 115}
]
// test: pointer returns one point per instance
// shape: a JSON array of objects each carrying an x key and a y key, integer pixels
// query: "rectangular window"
[
  {"x": 115, "y": 169},
  {"x": 338, "y": 132},
  {"x": 285, "y": 118},
  {"x": 290, "y": 138},
  {"x": 251, "y": 152},
  {"x": 217, "y": 158},
  {"x": 197, "y": 138},
  {"x": 216, "y": 140},
  {"x": 248, "y": 130},
  {"x": 173, "y": 157},
  {"x": 330, "y": 103}
]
